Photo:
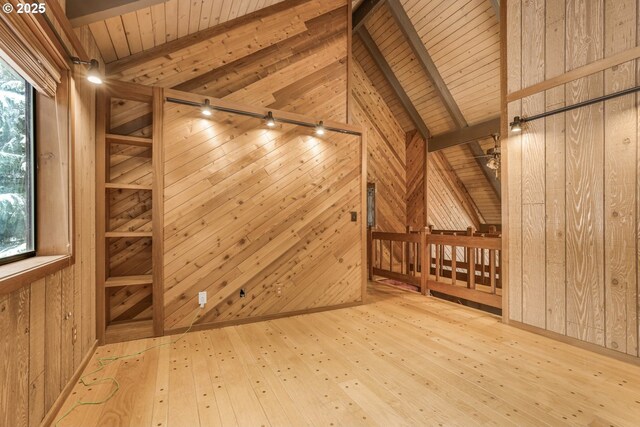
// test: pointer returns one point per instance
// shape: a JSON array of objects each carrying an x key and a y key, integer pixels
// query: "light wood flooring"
[{"x": 401, "y": 359}]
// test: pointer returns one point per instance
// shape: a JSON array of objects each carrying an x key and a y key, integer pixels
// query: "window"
[{"x": 17, "y": 167}]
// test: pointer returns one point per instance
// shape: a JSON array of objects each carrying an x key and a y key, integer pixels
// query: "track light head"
[
  {"x": 320, "y": 128},
  {"x": 271, "y": 122},
  {"x": 93, "y": 72},
  {"x": 516, "y": 124},
  {"x": 206, "y": 108}
]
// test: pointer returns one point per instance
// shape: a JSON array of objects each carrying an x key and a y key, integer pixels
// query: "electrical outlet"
[
  {"x": 279, "y": 291},
  {"x": 354, "y": 216},
  {"x": 202, "y": 298}
]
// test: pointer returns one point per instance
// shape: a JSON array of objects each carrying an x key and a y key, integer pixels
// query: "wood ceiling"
[
  {"x": 445, "y": 59},
  {"x": 460, "y": 38},
  {"x": 143, "y": 29}
]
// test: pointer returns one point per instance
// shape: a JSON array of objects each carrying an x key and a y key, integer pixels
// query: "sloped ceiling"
[
  {"x": 139, "y": 30},
  {"x": 462, "y": 37}
]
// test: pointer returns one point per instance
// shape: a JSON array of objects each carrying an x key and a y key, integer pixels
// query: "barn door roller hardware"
[
  {"x": 518, "y": 121},
  {"x": 270, "y": 119}
]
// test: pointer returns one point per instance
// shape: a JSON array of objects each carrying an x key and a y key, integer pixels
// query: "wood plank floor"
[{"x": 401, "y": 359}]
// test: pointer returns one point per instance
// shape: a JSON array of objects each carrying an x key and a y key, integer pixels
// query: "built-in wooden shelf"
[
  {"x": 128, "y": 234},
  {"x": 127, "y": 186},
  {"x": 143, "y": 279},
  {"x": 128, "y": 330},
  {"x": 130, "y": 140}
]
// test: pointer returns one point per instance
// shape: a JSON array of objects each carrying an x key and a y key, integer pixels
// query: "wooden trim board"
[
  {"x": 216, "y": 325},
  {"x": 577, "y": 73},
  {"x": 575, "y": 342},
  {"x": 64, "y": 394}
]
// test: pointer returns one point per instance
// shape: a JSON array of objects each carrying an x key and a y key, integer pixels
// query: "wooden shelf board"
[
  {"x": 116, "y": 234},
  {"x": 128, "y": 330},
  {"x": 143, "y": 279},
  {"x": 130, "y": 140},
  {"x": 118, "y": 186}
]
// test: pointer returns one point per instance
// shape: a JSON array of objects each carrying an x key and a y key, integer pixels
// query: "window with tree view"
[{"x": 16, "y": 166}]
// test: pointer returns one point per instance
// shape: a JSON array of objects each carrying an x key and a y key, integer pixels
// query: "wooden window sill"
[{"x": 21, "y": 273}]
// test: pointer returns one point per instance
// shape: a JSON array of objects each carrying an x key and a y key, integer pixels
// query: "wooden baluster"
[
  {"x": 483, "y": 264},
  {"x": 390, "y": 255},
  {"x": 371, "y": 251},
  {"x": 438, "y": 261},
  {"x": 403, "y": 263},
  {"x": 454, "y": 256},
  {"x": 492, "y": 270},
  {"x": 380, "y": 258},
  {"x": 408, "y": 250},
  {"x": 471, "y": 263},
  {"x": 424, "y": 272}
]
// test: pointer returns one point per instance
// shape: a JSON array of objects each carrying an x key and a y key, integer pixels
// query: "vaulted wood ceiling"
[
  {"x": 459, "y": 38},
  {"x": 461, "y": 41},
  {"x": 139, "y": 30}
]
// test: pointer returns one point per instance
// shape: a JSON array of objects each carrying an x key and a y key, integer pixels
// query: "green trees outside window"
[{"x": 16, "y": 166}]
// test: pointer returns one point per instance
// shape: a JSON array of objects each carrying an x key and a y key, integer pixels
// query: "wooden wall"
[
  {"x": 386, "y": 152},
  {"x": 572, "y": 178},
  {"x": 276, "y": 57},
  {"x": 258, "y": 209},
  {"x": 48, "y": 327},
  {"x": 415, "y": 170}
]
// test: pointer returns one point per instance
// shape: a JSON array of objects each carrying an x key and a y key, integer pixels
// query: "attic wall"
[
  {"x": 262, "y": 210},
  {"x": 276, "y": 57},
  {"x": 386, "y": 152},
  {"x": 48, "y": 326},
  {"x": 572, "y": 178}
]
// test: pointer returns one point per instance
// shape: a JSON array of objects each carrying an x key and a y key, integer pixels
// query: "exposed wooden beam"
[
  {"x": 84, "y": 12},
  {"x": 430, "y": 69},
  {"x": 424, "y": 59},
  {"x": 465, "y": 135},
  {"x": 366, "y": 8},
  {"x": 183, "y": 42},
  {"x": 496, "y": 8},
  {"x": 386, "y": 70}
]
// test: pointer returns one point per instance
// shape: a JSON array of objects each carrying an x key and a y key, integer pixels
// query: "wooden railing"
[{"x": 462, "y": 264}]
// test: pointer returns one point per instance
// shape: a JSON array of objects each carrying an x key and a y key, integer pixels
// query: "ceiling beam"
[
  {"x": 366, "y": 8},
  {"x": 386, "y": 70},
  {"x": 465, "y": 135},
  {"x": 83, "y": 12},
  {"x": 424, "y": 59}
]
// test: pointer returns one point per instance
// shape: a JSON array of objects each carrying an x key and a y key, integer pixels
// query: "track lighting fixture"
[
  {"x": 320, "y": 128},
  {"x": 206, "y": 108},
  {"x": 93, "y": 72},
  {"x": 271, "y": 122},
  {"x": 516, "y": 124}
]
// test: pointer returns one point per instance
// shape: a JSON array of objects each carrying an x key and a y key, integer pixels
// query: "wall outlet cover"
[{"x": 202, "y": 298}]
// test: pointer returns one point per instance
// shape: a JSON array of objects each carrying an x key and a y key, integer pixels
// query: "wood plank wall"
[
  {"x": 415, "y": 169},
  {"x": 386, "y": 152},
  {"x": 292, "y": 51},
  {"x": 258, "y": 209},
  {"x": 573, "y": 178},
  {"x": 48, "y": 327}
]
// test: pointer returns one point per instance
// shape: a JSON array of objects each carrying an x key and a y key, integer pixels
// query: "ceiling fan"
[{"x": 493, "y": 156}]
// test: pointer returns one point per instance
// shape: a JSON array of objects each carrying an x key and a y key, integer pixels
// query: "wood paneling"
[
  {"x": 349, "y": 367},
  {"x": 416, "y": 170},
  {"x": 474, "y": 181},
  {"x": 277, "y": 59},
  {"x": 572, "y": 178},
  {"x": 262, "y": 210},
  {"x": 48, "y": 326},
  {"x": 143, "y": 29},
  {"x": 446, "y": 197},
  {"x": 386, "y": 153}
]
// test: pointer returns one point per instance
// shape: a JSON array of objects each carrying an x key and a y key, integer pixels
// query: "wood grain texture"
[
  {"x": 416, "y": 171},
  {"x": 349, "y": 367},
  {"x": 386, "y": 153},
  {"x": 300, "y": 54},
  {"x": 588, "y": 158},
  {"x": 40, "y": 349},
  {"x": 259, "y": 209}
]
